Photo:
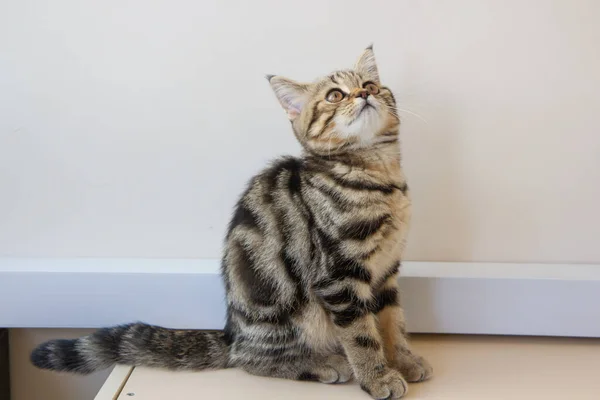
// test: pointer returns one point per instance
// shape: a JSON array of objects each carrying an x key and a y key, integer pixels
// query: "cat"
[{"x": 311, "y": 257}]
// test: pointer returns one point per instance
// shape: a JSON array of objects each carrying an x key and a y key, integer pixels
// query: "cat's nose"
[{"x": 363, "y": 93}]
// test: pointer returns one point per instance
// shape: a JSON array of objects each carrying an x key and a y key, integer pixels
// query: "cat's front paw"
[
  {"x": 414, "y": 368},
  {"x": 389, "y": 385}
]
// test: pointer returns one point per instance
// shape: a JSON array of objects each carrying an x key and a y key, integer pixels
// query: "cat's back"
[{"x": 268, "y": 243}]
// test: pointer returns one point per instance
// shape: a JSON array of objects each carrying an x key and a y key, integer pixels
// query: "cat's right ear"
[
  {"x": 291, "y": 95},
  {"x": 367, "y": 66}
]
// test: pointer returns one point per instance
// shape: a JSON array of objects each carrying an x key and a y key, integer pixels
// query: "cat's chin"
[{"x": 367, "y": 134}]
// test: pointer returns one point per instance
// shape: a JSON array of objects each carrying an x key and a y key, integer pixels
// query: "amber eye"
[
  {"x": 371, "y": 88},
  {"x": 335, "y": 96}
]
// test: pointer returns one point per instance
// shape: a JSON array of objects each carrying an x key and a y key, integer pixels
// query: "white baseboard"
[{"x": 440, "y": 297}]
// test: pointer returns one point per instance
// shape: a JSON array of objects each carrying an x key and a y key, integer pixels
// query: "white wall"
[{"x": 128, "y": 128}]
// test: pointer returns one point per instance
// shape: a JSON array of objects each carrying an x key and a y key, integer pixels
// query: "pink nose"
[{"x": 363, "y": 93}]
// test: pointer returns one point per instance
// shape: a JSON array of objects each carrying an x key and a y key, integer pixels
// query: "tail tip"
[
  {"x": 60, "y": 355},
  {"x": 40, "y": 356}
]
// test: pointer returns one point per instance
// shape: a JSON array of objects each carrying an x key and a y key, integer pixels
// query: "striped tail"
[{"x": 136, "y": 345}]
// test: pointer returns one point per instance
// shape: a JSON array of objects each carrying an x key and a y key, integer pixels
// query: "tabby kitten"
[{"x": 311, "y": 257}]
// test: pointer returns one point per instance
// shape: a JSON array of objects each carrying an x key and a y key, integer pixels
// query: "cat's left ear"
[
  {"x": 366, "y": 65},
  {"x": 292, "y": 95}
]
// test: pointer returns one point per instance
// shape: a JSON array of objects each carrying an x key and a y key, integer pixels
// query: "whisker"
[
  {"x": 392, "y": 110},
  {"x": 415, "y": 114}
]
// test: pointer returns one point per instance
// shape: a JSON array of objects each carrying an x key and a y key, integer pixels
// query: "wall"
[
  {"x": 127, "y": 129},
  {"x": 30, "y": 383}
]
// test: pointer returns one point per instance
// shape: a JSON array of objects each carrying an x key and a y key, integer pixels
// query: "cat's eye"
[
  {"x": 371, "y": 88},
  {"x": 335, "y": 96}
]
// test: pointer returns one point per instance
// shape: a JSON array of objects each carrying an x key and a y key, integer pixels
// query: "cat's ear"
[
  {"x": 366, "y": 65},
  {"x": 291, "y": 95}
]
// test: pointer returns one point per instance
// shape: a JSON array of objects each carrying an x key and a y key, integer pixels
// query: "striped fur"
[{"x": 310, "y": 262}]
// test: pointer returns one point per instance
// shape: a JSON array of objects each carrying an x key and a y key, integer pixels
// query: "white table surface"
[{"x": 466, "y": 367}]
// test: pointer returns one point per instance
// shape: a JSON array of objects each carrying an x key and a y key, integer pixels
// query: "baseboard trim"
[{"x": 439, "y": 297}]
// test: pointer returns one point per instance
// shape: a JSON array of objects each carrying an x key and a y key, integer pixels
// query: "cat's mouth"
[
  {"x": 365, "y": 106},
  {"x": 363, "y": 109}
]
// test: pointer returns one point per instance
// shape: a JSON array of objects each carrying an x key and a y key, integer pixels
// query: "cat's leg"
[
  {"x": 275, "y": 349},
  {"x": 349, "y": 307},
  {"x": 393, "y": 330}
]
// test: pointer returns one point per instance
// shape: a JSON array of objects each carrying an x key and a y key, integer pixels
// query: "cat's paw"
[
  {"x": 414, "y": 368},
  {"x": 334, "y": 369},
  {"x": 390, "y": 385},
  {"x": 341, "y": 366}
]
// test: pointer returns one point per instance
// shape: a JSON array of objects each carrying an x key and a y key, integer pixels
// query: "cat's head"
[{"x": 345, "y": 111}]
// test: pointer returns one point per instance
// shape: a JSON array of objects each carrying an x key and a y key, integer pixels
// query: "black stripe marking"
[
  {"x": 389, "y": 273},
  {"x": 243, "y": 216},
  {"x": 403, "y": 188},
  {"x": 290, "y": 266},
  {"x": 367, "y": 254},
  {"x": 347, "y": 268},
  {"x": 348, "y": 316},
  {"x": 286, "y": 164},
  {"x": 281, "y": 165},
  {"x": 282, "y": 317},
  {"x": 341, "y": 297},
  {"x": 308, "y": 376},
  {"x": 385, "y": 298},
  {"x": 310, "y": 222},
  {"x": 379, "y": 368},
  {"x": 285, "y": 337},
  {"x": 366, "y": 389},
  {"x": 292, "y": 270},
  {"x": 69, "y": 356},
  {"x": 323, "y": 284},
  {"x": 110, "y": 339},
  {"x": 388, "y": 141},
  {"x": 390, "y": 93},
  {"x": 390, "y": 103},
  {"x": 291, "y": 165},
  {"x": 261, "y": 289},
  {"x": 367, "y": 342},
  {"x": 392, "y": 96},
  {"x": 341, "y": 266},
  {"x": 337, "y": 199},
  {"x": 314, "y": 116},
  {"x": 361, "y": 230},
  {"x": 229, "y": 331},
  {"x": 326, "y": 124},
  {"x": 328, "y": 244},
  {"x": 355, "y": 308},
  {"x": 295, "y": 181},
  {"x": 365, "y": 186},
  {"x": 59, "y": 355}
]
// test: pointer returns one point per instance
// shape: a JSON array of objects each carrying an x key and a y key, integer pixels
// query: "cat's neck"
[
  {"x": 381, "y": 161},
  {"x": 377, "y": 154}
]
